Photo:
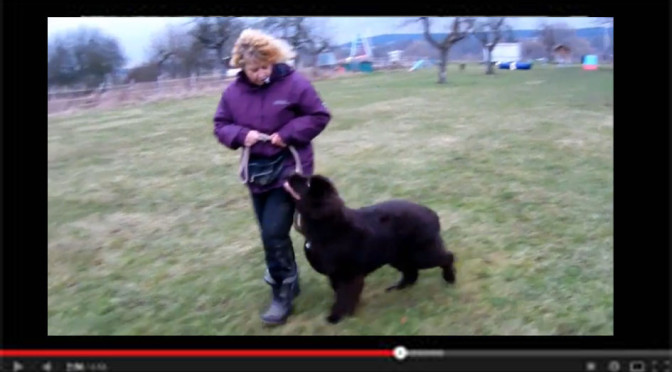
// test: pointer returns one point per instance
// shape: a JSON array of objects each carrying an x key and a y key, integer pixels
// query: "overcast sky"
[{"x": 135, "y": 33}]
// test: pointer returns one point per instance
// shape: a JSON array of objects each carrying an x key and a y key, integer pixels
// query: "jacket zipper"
[{"x": 261, "y": 110}]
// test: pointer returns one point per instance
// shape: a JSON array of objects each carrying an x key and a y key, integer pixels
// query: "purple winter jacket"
[{"x": 288, "y": 105}]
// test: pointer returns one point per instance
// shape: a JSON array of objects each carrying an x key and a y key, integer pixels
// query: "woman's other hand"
[{"x": 277, "y": 140}]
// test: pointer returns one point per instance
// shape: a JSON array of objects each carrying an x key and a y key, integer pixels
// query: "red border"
[{"x": 198, "y": 353}]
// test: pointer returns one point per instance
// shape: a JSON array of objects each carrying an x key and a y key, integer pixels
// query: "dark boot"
[{"x": 282, "y": 301}]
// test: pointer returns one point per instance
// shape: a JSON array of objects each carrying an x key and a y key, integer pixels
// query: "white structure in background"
[
  {"x": 394, "y": 56},
  {"x": 232, "y": 72},
  {"x": 504, "y": 52}
]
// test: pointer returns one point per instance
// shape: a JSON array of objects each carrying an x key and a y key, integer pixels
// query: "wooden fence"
[{"x": 131, "y": 94}]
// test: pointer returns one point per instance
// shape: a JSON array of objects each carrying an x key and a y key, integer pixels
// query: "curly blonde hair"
[{"x": 255, "y": 45}]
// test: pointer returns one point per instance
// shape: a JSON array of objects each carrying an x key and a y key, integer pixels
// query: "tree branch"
[{"x": 428, "y": 36}]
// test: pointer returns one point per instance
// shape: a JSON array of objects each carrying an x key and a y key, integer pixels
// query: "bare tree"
[
  {"x": 62, "y": 68},
  {"x": 580, "y": 46},
  {"x": 318, "y": 41},
  {"x": 551, "y": 35},
  {"x": 533, "y": 49},
  {"x": 218, "y": 34},
  {"x": 459, "y": 29},
  {"x": 307, "y": 36},
  {"x": 547, "y": 39},
  {"x": 294, "y": 30},
  {"x": 489, "y": 32},
  {"x": 164, "y": 47},
  {"x": 179, "y": 52},
  {"x": 85, "y": 56}
]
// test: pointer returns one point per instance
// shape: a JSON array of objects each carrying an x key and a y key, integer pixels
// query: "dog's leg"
[
  {"x": 444, "y": 260},
  {"x": 334, "y": 283},
  {"x": 435, "y": 255},
  {"x": 348, "y": 293},
  {"x": 448, "y": 267},
  {"x": 409, "y": 277},
  {"x": 354, "y": 293}
]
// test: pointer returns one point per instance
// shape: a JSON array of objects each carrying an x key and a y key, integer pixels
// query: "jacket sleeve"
[
  {"x": 227, "y": 132},
  {"x": 312, "y": 120}
]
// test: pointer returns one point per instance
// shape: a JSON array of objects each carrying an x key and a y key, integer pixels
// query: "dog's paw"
[
  {"x": 449, "y": 276},
  {"x": 334, "y": 318}
]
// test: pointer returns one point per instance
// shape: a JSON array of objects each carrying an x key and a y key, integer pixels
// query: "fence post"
[{"x": 131, "y": 88}]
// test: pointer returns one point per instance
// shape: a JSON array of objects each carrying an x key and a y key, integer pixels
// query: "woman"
[{"x": 268, "y": 110}]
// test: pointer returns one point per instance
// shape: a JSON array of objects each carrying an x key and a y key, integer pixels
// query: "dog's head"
[{"x": 314, "y": 195}]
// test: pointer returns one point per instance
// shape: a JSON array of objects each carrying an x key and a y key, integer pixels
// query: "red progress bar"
[{"x": 197, "y": 353}]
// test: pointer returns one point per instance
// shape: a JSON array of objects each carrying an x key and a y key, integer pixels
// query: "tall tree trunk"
[
  {"x": 442, "y": 65},
  {"x": 490, "y": 70},
  {"x": 221, "y": 61},
  {"x": 315, "y": 67},
  {"x": 297, "y": 60}
]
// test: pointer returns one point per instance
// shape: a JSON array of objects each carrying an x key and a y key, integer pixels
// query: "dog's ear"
[
  {"x": 298, "y": 182},
  {"x": 320, "y": 186}
]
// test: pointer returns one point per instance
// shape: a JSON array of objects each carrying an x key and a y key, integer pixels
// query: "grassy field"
[{"x": 151, "y": 232}]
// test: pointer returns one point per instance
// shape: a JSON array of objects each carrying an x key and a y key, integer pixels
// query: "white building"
[{"x": 504, "y": 52}]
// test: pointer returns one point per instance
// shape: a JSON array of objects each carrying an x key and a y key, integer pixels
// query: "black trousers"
[{"x": 275, "y": 213}]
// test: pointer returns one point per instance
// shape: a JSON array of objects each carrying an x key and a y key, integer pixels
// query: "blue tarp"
[{"x": 515, "y": 66}]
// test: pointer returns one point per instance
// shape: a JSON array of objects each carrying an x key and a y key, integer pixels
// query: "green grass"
[{"x": 151, "y": 232}]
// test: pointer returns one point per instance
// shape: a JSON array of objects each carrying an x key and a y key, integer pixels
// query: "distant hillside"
[{"x": 381, "y": 40}]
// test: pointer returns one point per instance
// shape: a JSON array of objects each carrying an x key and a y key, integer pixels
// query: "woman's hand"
[
  {"x": 251, "y": 138},
  {"x": 277, "y": 140}
]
